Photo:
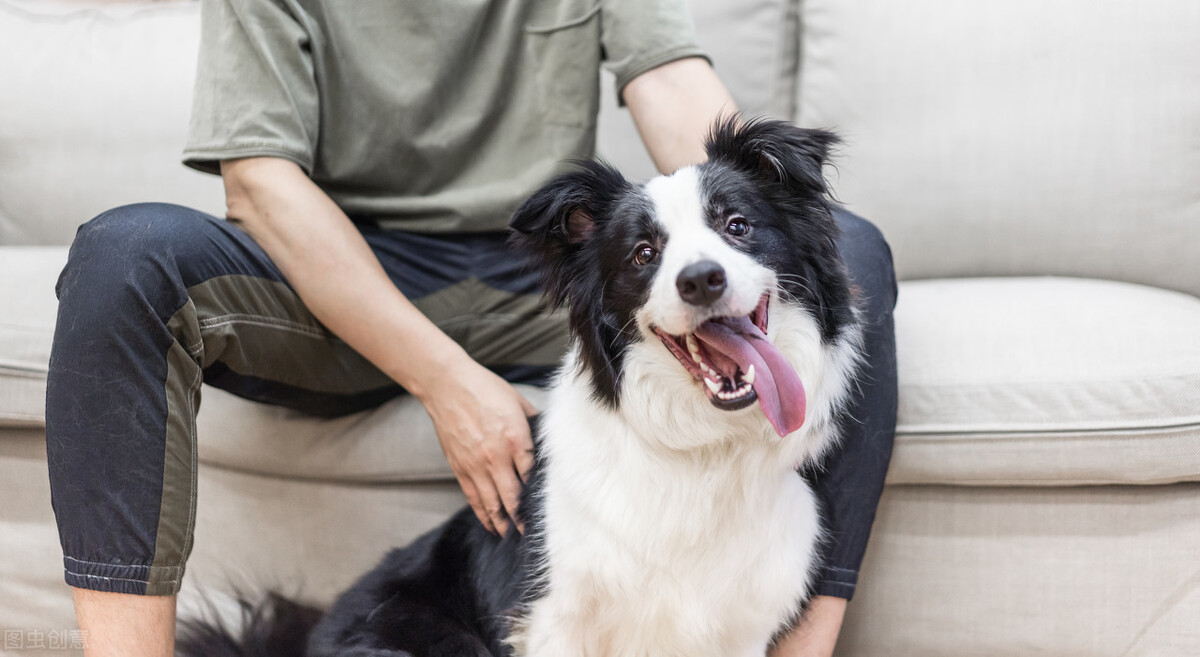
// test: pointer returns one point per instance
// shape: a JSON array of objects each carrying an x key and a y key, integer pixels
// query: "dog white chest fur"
[{"x": 672, "y": 527}]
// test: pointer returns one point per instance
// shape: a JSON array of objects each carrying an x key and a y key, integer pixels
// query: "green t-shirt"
[{"x": 441, "y": 115}]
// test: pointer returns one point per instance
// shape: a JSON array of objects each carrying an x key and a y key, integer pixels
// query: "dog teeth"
[
  {"x": 714, "y": 386},
  {"x": 741, "y": 391},
  {"x": 694, "y": 348},
  {"x": 748, "y": 377}
]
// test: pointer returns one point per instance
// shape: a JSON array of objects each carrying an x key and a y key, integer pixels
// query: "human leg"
[
  {"x": 154, "y": 299},
  {"x": 121, "y": 624},
  {"x": 851, "y": 479}
]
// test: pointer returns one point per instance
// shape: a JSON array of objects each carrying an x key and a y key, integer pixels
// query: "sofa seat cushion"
[
  {"x": 393, "y": 443},
  {"x": 27, "y": 311},
  {"x": 1023, "y": 381},
  {"x": 1046, "y": 381}
]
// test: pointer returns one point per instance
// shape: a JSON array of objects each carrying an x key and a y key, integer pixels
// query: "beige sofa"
[{"x": 1036, "y": 166}]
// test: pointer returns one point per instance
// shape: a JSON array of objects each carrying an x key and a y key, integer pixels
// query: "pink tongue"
[{"x": 779, "y": 389}]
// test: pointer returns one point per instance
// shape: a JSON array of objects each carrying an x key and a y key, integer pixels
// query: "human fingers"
[
  {"x": 475, "y": 501},
  {"x": 509, "y": 488},
  {"x": 500, "y": 453},
  {"x": 491, "y": 505},
  {"x": 520, "y": 439},
  {"x": 523, "y": 459}
]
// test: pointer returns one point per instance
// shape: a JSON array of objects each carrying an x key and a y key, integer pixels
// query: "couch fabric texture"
[{"x": 1036, "y": 168}]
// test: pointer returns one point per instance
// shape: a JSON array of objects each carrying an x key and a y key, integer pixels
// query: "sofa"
[{"x": 1036, "y": 169}]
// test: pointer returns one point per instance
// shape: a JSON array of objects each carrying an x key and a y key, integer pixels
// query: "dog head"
[{"x": 694, "y": 265}]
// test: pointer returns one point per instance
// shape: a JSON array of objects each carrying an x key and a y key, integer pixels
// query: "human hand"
[{"x": 483, "y": 427}]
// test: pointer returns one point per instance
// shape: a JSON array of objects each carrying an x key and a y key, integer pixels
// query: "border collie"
[{"x": 715, "y": 337}]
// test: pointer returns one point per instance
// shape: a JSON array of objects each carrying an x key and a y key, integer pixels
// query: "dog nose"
[{"x": 701, "y": 283}]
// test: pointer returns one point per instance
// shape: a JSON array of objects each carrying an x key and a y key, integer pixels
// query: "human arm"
[
  {"x": 480, "y": 419},
  {"x": 674, "y": 106}
]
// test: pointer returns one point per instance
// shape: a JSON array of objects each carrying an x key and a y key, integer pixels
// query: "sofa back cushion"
[
  {"x": 95, "y": 112},
  {"x": 1020, "y": 137}
]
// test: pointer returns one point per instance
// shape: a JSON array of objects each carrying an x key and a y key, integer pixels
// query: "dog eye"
[
  {"x": 737, "y": 227},
  {"x": 644, "y": 254}
]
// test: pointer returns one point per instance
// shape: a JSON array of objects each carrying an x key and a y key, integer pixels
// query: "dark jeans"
[
  {"x": 156, "y": 299},
  {"x": 850, "y": 480}
]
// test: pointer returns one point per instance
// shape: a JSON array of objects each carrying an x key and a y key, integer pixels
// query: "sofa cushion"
[
  {"x": 96, "y": 106},
  {"x": 1002, "y": 381},
  {"x": 27, "y": 311},
  {"x": 1089, "y": 571},
  {"x": 1046, "y": 381},
  {"x": 393, "y": 443},
  {"x": 1016, "y": 138},
  {"x": 1021, "y": 381}
]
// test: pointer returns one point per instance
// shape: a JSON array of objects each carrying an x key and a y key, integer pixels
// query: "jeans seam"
[
  {"x": 265, "y": 322},
  {"x": 147, "y": 569},
  {"x": 173, "y": 580},
  {"x": 835, "y": 569},
  {"x": 194, "y": 350},
  {"x": 197, "y": 381}
]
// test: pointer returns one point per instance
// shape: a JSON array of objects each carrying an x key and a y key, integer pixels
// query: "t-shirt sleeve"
[
  {"x": 639, "y": 35},
  {"x": 255, "y": 93}
]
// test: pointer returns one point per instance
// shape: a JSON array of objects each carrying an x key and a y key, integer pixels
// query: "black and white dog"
[{"x": 715, "y": 337}]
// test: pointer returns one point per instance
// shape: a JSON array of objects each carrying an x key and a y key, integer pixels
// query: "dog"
[{"x": 715, "y": 338}]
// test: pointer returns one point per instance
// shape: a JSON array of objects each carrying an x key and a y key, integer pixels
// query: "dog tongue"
[{"x": 779, "y": 389}]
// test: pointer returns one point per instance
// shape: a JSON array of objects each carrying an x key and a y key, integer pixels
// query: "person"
[{"x": 371, "y": 153}]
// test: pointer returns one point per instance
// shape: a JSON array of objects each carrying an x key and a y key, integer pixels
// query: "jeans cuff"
[
  {"x": 122, "y": 578},
  {"x": 837, "y": 582}
]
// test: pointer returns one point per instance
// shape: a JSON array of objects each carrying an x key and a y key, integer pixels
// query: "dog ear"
[
  {"x": 566, "y": 209},
  {"x": 773, "y": 151},
  {"x": 561, "y": 217}
]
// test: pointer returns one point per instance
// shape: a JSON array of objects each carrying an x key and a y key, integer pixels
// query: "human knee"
[
  {"x": 112, "y": 251},
  {"x": 129, "y": 230},
  {"x": 868, "y": 258}
]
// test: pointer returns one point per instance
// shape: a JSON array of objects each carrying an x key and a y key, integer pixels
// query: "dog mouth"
[{"x": 737, "y": 365}]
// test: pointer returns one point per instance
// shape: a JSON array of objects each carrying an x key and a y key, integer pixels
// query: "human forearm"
[
  {"x": 328, "y": 263},
  {"x": 480, "y": 419},
  {"x": 674, "y": 106}
]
